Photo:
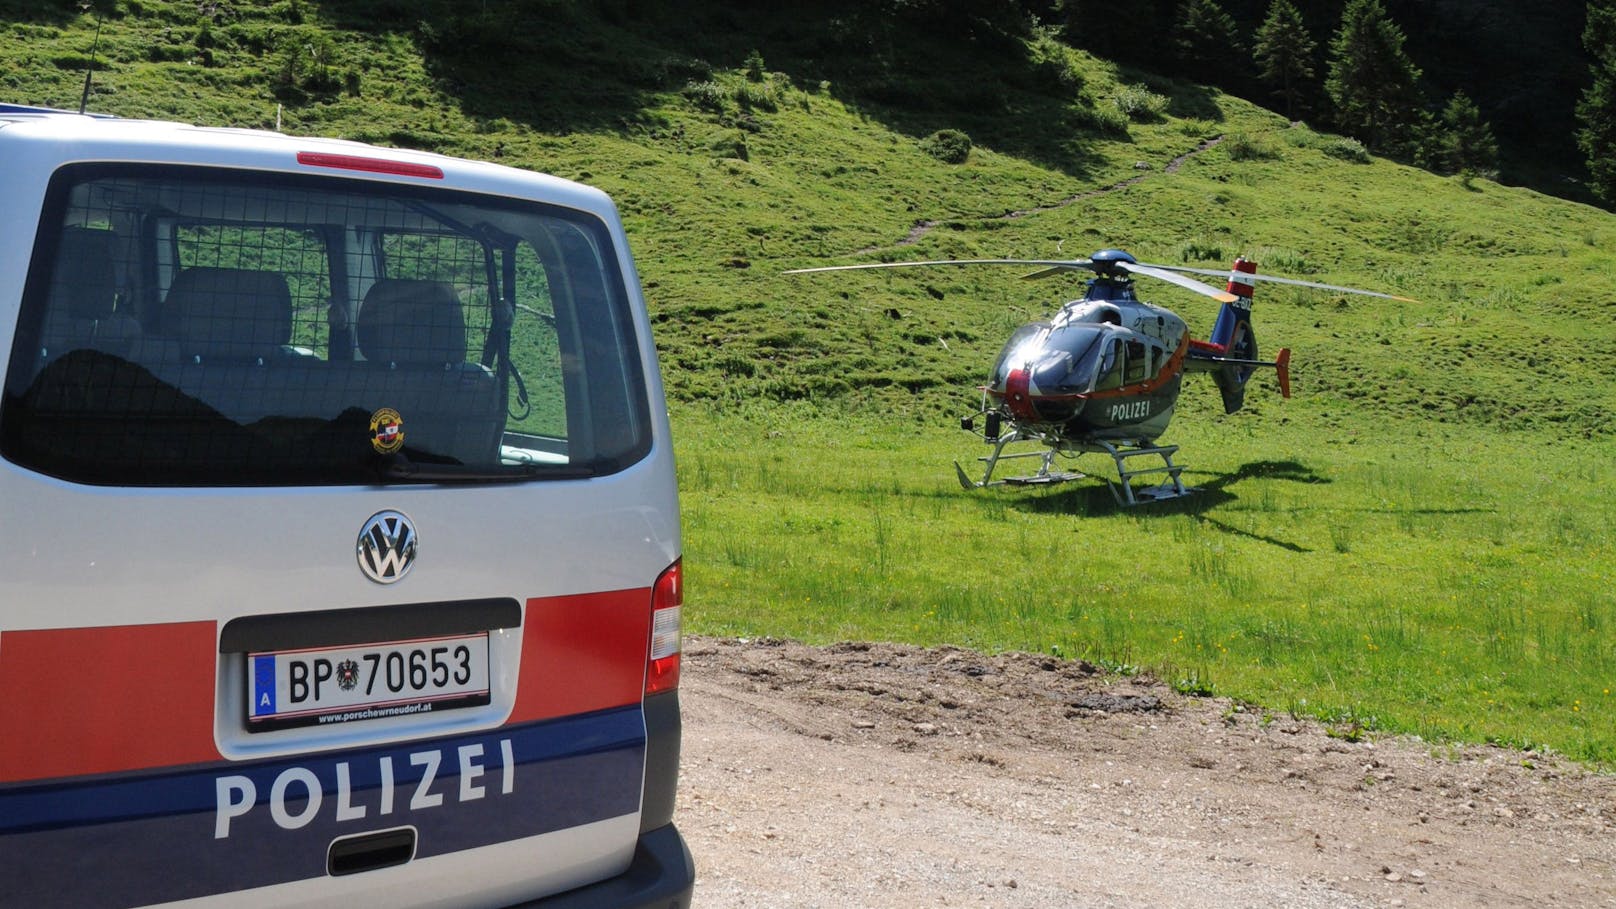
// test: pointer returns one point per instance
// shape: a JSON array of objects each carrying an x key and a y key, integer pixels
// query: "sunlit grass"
[{"x": 1466, "y": 597}]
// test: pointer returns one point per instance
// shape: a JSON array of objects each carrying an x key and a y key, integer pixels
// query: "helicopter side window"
[
  {"x": 1110, "y": 374},
  {"x": 1137, "y": 366}
]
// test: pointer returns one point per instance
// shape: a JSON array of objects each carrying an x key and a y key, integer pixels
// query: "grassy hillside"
[
  {"x": 725, "y": 180},
  {"x": 1417, "y": 541}
]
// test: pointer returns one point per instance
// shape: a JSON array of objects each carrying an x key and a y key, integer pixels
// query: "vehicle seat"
[
  {"x": 83, "y": 294},
  {"x": 229, "y": 314},
  {"x": 412, "y": 335},
  {"x": 412, "y": 323}
]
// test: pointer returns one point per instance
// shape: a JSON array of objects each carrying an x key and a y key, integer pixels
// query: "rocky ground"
[{"x": 866, "y": 775}]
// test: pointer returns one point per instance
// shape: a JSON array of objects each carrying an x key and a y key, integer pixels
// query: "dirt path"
[{"x": 878, "y": 775}]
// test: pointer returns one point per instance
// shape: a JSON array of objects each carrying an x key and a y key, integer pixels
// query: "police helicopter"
[{"x": 1102, "y": 374}]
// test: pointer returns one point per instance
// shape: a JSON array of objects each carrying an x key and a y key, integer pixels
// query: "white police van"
[{"x": 339, "y": 542}]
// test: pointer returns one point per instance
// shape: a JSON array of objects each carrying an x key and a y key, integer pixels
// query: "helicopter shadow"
[{"x": 1097, "y": 501}]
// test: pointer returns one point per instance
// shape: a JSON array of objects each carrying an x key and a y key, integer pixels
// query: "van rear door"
[{"x": 338, "y": 517}]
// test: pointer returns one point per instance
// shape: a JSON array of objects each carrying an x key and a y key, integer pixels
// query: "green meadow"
[
  {"x": 1419, "y": 541},
  {"x": 1452, "y": 585}
]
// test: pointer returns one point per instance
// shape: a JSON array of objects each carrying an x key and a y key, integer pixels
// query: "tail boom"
[{"x": 1230, "y": 354}]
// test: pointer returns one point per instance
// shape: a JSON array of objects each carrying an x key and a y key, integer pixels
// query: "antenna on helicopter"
[{"x": 95, "y": 49}]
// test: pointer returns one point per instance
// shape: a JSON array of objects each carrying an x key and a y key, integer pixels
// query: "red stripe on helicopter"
[
  {"x": 1241, "y": 284},
  {"x": 1174, "y": 365},
  {"x": 1018, "y": 396},
  {"x": 1026, "y": 411}
]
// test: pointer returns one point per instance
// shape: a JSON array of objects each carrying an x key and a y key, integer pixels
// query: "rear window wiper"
[{"x": 400, "y": 467}]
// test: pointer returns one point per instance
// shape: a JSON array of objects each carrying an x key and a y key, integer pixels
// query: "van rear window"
[{"x": 205, "y": 327}]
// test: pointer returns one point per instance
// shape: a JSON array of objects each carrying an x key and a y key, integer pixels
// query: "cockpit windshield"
[{"x": 1066, "y": 359}]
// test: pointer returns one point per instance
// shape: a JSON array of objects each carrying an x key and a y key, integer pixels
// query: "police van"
[{"x": 339, "y": 541}]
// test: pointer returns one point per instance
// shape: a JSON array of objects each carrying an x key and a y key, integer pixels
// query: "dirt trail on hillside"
[{"x": 872, "y": 775}]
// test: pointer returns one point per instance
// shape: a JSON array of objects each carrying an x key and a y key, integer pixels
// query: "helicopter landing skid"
[
  {"x": 1044, "y": 476},
  {"x": 1122, "y": 489},
  {"x": 1038, "y": 479}
]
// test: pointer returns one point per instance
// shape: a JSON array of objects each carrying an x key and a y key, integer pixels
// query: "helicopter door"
[
  {"x": 1111, "y": 366},
  {"x": 1136, "y": 368}
]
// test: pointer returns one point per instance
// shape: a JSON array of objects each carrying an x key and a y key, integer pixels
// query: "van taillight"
[{"x": 667, "y": 599}]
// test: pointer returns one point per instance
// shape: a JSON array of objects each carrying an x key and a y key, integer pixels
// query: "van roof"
[{"x": 95, "y": 137}]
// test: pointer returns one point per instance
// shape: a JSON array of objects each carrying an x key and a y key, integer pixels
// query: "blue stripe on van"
[{"x": 117, "y": 841}]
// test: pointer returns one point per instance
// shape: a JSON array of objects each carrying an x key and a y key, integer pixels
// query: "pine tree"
[
  {"x": 1373, "y": 84},
  {"x": 1597, "y": 109},
  {"x": 1468, "y": 144},
  {"x": 1205, "y": 37},
  {"x": 1095, "y": 26},
  {"x": 1284, "y": 54}
]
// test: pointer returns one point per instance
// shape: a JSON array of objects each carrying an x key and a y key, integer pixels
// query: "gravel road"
[{"x": 870, "y": 775}]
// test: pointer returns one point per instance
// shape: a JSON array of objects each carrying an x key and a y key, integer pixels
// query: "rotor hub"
[{"x": 1105, "y": 262}]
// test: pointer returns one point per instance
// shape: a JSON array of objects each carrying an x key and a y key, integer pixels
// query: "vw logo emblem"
[{"x": 386, "y": 547}]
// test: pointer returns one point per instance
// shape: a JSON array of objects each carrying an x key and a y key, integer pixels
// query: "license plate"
[{"x": 325, "y": 685}]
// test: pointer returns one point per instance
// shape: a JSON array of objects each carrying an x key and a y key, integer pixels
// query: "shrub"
[
  {"x": 1200, "y": 249},
  {"x": 1299, "y": 135},
  {"x": 168, "y": 53},
  {"x": 707, "y": 95},
  {"x": 1246, "y": 147},
  {"x": 759, "y": 95},
  {"x": 1345, "y": 149},
  {"x": 1107, "y": 121},
  {"x": 674, "y": 67},
  {"x": 949, "y": 146},
  {"x": 1198, "y": 129},
  {"x": 1054, "y": 62},
  {"x": 1139, "y": 104},
  {"x": 304, "y": 64},
  {"x": 1282, "y": 261}
]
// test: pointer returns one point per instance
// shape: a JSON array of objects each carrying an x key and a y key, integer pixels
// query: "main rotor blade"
[
  {"x": 1335, "y": 287},
  {"x": 1061, "y": 269},
  {"x": 1060, "y": 264},
  {"x": 1155, "y": 271},
  {"x": 1292, "y": 281}
]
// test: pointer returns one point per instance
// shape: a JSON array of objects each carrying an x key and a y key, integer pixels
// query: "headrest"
[
  {"x": 83, "y": 285},
  {"x": 412, "y": 322},
  {"x": 229, "y": 313}
]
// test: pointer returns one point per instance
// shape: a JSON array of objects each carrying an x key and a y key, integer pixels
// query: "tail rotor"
[{"x": 1234, "y": 334}]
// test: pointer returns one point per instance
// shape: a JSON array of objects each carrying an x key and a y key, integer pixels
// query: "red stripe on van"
[
  {"x": 581, "y": 653},
  {"x": 94, "y": 700}
]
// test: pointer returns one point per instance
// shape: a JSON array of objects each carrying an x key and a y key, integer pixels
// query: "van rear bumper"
[{"x": 661, "y": 876}]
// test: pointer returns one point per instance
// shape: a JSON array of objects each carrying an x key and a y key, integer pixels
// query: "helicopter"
[{"x": 1102, "y": 374}]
